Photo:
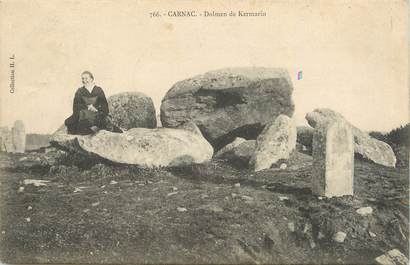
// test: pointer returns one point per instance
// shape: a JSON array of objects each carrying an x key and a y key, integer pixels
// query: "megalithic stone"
[
  {"x": 276, "y": 142},
  {"x": 333, "y": 160},
  {"x": 6, "y": 141},
  {"x": 4, "y": 132},
  {"x": 18, "y": 134}
]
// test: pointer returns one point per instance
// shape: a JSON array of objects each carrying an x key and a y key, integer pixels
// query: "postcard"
[{"x": 204, "y": 132}]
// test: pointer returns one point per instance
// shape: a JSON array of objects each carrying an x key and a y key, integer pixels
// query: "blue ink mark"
[{"x": 299, "y": 75}]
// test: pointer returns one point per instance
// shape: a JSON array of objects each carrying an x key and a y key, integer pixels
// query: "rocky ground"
[{"x": 211, "y": 213}]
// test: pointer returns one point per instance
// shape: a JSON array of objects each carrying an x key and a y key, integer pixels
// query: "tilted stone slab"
[
  {"x": 366, "y": 146},
  {"x": 276, "y": 142}
]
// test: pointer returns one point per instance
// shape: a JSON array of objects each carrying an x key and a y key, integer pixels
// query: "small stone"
[
  {"x": 181, "y": 209},
  {"x": 86, "y": 210},
  {"x": 77, "y": 190},
  {"x": 174, "y": 188},
  {"x": 283, "y": 198},
  {"x": 21, "y": 189},
  {"x": 312, "y": 243},
  {"x": 113, "y": 182},
  {"x": 95, "y": 204},
  {"x": 320, "y": 198},
  {"x": 172, "y": 193},
  {"x": 291, "y": 227},
  {"x": 247, "y": 198},
  {"x": 339, "y": 237},
  {"x": 393, "y": 257},
  {"x": 320, "y": 235},
  {"x": 372, "y": 234},
  {"x": 283, "y": 166},
  {"x": 233, "y": 195},
  {"x": 305, "y": 228},
  {"x": 204, "y": 196},
  {"x": 102, "y": 187},
  {"x": 141, "y": 184},
  {"x": 29, "y": 208},
  {"x": 36, "y": 182},
  {"x": 237, "y": 185},
  {"x": 28, "y": 219},
  {"x": 215, "y": 208},
  {"x": 364, "y": 211},
  {"x": 3, "y": 232}
]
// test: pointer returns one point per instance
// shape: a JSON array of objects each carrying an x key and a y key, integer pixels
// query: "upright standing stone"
[
  {"x": 333, "y": 159},
  {"x": 18, "y": 136},
  {"x": 5, "y": 140}
]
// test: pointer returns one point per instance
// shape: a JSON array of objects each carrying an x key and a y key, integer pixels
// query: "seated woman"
[{"x": 90, "y": 109}]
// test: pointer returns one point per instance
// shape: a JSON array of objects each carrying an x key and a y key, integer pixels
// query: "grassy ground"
[{"x": 198, "y": 214}]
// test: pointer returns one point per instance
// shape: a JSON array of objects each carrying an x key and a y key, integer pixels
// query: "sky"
[{"x": 353, "y": 54}]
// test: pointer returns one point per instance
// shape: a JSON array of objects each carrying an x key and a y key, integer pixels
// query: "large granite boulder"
[
  {"x": 229, "y": 103},
  {"x": 160, "y": 147},
  {"x": 132, "y": 110},
  {"x": 274, "y": 144},
  {"x": 238, "y": 152},
  {"x": 366, "y": 146}
]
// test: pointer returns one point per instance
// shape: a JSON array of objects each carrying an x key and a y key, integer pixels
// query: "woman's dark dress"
[{"x": 83, "y": 119}]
